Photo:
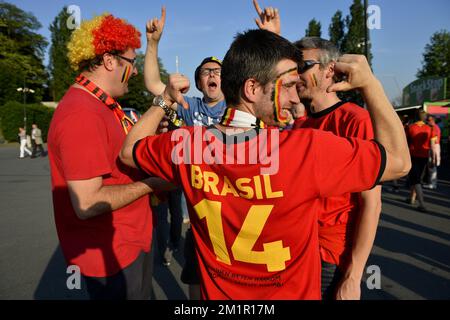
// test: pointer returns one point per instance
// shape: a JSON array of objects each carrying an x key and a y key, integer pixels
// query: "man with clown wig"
[{"x": 102, "y": 212}]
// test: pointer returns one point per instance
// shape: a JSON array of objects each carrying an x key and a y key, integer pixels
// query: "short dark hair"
[{"x": 254, "y": 54}]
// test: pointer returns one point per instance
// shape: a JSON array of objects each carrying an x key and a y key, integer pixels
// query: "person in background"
[
  {"x": 36, "y": 137},
  {"x": 421, "y": 140},
  {"x": 23, "y": 143}
]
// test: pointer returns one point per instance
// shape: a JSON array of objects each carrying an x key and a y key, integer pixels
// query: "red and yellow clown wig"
[{"x": 99, "y": 35}]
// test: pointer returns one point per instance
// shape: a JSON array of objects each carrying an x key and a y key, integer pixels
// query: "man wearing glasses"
[
  {"x": 196, "y": 111},
  {"x": 347, "y": 223},
  {"x": 102, "y": 212}
]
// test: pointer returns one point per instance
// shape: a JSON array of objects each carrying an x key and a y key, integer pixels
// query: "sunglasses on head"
[{"x": 307, "y": 64}]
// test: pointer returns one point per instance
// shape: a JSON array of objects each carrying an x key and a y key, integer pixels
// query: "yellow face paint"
[
  {"x": 278, "y": 115},
  {"x": 126, "y": 74},
  {"x": 313, "y": 80}
]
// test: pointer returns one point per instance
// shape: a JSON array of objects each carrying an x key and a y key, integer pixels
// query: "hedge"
[{"x": 11, "y": 118}]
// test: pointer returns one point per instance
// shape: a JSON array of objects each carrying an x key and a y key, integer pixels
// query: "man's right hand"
[
  {"x": 177, "y": 86},
  {"x": 155, "y": 27}
]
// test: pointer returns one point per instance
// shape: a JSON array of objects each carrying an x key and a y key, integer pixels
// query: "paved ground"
[{"x": 412, "y": 249}]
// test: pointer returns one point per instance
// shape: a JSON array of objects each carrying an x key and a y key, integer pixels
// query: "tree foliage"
[
  {"x": 138, "y": 97},
  {"x": 336, "y": 30},
  {"x": 11, "y": 115},
  {"x": 62, "y": 75},
  {"x": 436, "y": 58},
  {"x": 314, "y": 29},
  {"x": 21, "y": 54}
]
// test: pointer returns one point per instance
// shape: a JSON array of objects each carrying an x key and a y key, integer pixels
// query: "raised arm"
[
  {"x": 387, "y": 126},
  {"x": 152, "y": 76},
  {"x": 149, "y": 122},
  {"x": 269, "y": 18}
]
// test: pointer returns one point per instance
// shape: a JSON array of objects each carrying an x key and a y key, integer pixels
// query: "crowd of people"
[{"x": 280, "y": 177}]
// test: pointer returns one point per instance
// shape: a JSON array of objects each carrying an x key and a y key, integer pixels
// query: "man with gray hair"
[{"x": 347, "y": 223}]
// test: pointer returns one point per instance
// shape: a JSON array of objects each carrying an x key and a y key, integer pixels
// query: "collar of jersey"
[
  {"x": 235, "y": 138},
  {"x": 327, "y": 110}
]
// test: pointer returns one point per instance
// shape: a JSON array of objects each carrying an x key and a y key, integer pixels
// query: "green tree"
[
  {"x": 336, "y": 30},
  {"x": 436, "y": 58},
  {"x": 314, "y": 29},
  {"x": 62, "y": 75},
  {"x": 138, "y": 97},
  {"x": 354, "y": 42},
  {"x": 21, "y": 54}
]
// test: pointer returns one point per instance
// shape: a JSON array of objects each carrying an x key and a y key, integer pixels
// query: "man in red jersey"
[
  {"x": 253, "y": 193},
  {"x": 102, "y": 210},
  {"x": 421, "y": 140},
  {"x": 348, "y": 222}
]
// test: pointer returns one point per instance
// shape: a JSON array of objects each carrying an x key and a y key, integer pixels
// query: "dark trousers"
[
  {"x": 331, "y": 276},
  {"x": 169, "y": 234},
  {"x": 132, "y": 283},
  {"x": 36, "y": 147}
]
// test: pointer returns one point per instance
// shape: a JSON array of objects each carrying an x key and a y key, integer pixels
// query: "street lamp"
[{"x": 25, "y": 90}]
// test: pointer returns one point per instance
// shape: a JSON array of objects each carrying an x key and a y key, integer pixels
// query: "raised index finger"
[
  {"x": 257, "y": 7},
  {"x": 163, "y": 14}
]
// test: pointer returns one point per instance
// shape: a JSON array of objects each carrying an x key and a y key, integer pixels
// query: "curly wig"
[{"x": 99, "y": 35}]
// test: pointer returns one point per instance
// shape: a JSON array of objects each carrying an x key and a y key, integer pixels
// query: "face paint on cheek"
[
  {"x": 126, "y": 74},
  {"x": 277, "y": 112},
  {"x": 313, "y": 80}
]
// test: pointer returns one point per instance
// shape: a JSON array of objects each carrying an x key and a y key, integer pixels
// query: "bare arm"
[
  {"x": 387, "y": 126},
  {"x": 90, "y": 198},
  {"x": 364, "y": 236},
  {"x": 149, "y": 122},
  {"x": 152, "y": 76}
]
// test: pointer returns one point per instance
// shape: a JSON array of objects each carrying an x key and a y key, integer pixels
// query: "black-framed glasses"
[
  {"x": 132, "y": 61},
  {"x": 207, "y": 71},
  {"x": 307, "y": 64}
]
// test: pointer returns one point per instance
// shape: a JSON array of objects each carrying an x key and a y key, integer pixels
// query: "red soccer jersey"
[
  {"x": 255, "y": 224},
  {"x": 84, "y": 142},
  {"x": 338, "y": 214},
  {"x": 419, "y": 139}
]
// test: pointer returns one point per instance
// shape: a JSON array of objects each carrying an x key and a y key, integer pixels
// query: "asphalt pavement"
[{"x": 411, "y": 252}]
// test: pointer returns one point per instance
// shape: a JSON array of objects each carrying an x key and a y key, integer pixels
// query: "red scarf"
[{"x": 124, "y": 121}]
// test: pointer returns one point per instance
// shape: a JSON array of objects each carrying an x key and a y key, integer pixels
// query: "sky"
[{"x": 198, "y": 29}]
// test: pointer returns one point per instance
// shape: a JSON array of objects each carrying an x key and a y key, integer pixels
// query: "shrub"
[{"x": 12, "y": 114}]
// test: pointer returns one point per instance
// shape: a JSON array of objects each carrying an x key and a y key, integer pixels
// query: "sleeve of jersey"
[
  {"x": 153, "y": 155},
  {"x": 347, "y": 164},
  {"x": 83, "y": 145}
]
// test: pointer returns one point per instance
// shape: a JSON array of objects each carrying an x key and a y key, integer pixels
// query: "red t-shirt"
[
  {"x": 256, "y": 232},
  {"x": 338, "y": 215},
  {"x": 419, "y": 139},
  {"x": 84, "y": 142}
]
